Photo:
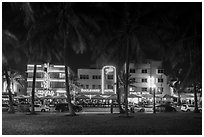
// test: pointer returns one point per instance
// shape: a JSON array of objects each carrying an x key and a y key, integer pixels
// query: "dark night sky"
[{"x": 184, "y": 11}]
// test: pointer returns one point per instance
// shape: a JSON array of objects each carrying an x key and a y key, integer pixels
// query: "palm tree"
[
  {"x": 9, "y": 41},
  {"x": 123, "y": 42},
  {"x": 183, "y": 53},
  {"x": 64, "y": 28}
]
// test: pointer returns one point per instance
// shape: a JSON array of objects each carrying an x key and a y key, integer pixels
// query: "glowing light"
[
  {"x": 31, "y": 65},
  {"x": 36, "y": 70},
  {"x": 57, "y": 80},
  {"x": 56, "y": 70},
  {"x": 59, "y": 66},
  {"x": 61, "y": 91},
  {"x": 131, "y": 89},
  {"x": 151, "y": 82}
]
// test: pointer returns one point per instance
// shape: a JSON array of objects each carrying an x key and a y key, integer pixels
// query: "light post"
[{"x": 152, "y": 87}]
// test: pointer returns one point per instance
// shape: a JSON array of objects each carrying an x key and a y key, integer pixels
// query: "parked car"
[
  {"x": 165, "y": 108},
  {"x": 136, "y": 108},
  {"x": 41, "y": 108},
  {"x": 61, "y": 107},
  {"x": 148, "y": 108},
  {"x": 188, "y": 108},
  {"x": 5, "y": 107}
]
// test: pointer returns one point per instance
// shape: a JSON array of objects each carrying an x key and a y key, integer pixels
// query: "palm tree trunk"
[
  {"x": 119, "y": 96},
  {"x": 127, "y": 78},
  {"x": 72, "y": 113},
  {"x": 179, "y": 98},
  {"x": 33, "y": 91},
  {"x": 11, "y": 108},
  {"x": 195, "y": 99},
  {"x": 71, "y": 110}
]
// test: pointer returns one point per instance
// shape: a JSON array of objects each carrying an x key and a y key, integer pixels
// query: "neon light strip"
[
  {"x": 31, "y": 79},
  {"x": 59, "y": 66},
  {"x": 102, "y": 84},
  {"x": 58, "y": 80},
  {"x": 115, "y": 80},
  {"x": 56, "y": 70},
  {"x": 53, "y": 80},
  {"x": 36, "y": 70},
  {"x": 30, "y": 65}
]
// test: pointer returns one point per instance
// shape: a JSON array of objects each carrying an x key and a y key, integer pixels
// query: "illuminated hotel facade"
[
  {"x": 97, "y": 81},
  {"x": 102, "y": 81},
  {"x": 50, "y": 80},
  {"x": 146, "y": 73}
]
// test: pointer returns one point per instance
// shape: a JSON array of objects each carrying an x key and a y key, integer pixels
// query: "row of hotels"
[{"x": 50, "y": 81}]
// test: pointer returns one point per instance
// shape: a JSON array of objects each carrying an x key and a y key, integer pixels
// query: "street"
[{"x": 90, "y": 123}]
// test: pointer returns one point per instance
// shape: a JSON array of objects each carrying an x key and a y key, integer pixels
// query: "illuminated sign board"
[
  {"x": 45, "y": 92},
  {"x": 90, "y": 90},
  {"x": 108, "y": 90}
]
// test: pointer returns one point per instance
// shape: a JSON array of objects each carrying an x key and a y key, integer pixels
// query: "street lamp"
[{"x": 152, "y": 86}]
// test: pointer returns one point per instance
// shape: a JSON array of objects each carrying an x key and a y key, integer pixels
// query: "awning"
[
  {"x": 168, "y": 96},
  {"x": 98, "y": 97},
  {"x": 133, "y": 96},
  {"x": 60, "y": 97},
  {"x": 82, "y": 97},
  {"x": 113, "y": 97},
  {"x": 47, "y": 97}
]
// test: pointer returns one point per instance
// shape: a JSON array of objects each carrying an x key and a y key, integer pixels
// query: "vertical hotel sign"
[
  {"x": 46, "y": 82},
  {"x": 108, "y": 70}
]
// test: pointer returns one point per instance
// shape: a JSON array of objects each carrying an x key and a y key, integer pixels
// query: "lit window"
[
  {"x": 96, "y": 77},
  {"x": 160, "y": 80},
  {"x": 144, "y": 89},
  {"x": 61, "y": 75},
  {"x": 110, "y": 76},
  {"x": 144, "y": 70},
  {"x": 84, "y": 76},
  {"x": 144, "y": 80},
  {"x": 159, "y": 71},
  {"x": 132, "y": 70},
  {"x": 30, "y": 84},
  {"x": 160, "y": 90},
  {"x": 110, "y": 87}
]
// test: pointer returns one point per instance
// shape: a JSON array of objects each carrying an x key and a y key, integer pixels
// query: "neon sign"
[
  {"x": 108, "y": 70},
  {"x": 105, "y": 71},
  {"x": 45, "y": 92},
  {"x": 108, "y": 90},
  {"x": 90, "y": 90},
  {"x": 46, "y": 82}
]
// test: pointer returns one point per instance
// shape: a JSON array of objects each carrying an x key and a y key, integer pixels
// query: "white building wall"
[{"x": 152, "y": 69}]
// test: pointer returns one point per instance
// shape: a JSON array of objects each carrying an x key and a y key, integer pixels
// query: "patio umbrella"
[
  {"x": 20, "y": 97},
  {"x": 61, "y": 97},
  {"x": 47, "y": 97},
  {"x": 5, "y": 96},
  {"x": 167, "y": 96},
  {"x": 133, "y": 96},
  {"x": 97, "y": 97},
  {"x": 186, "y": 96},
  {"x": 147, "y": 95},
  {"x": 113, "y": 97},
  {"x": 82, "y": 97}
]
